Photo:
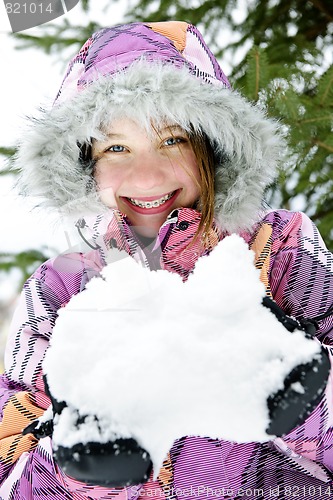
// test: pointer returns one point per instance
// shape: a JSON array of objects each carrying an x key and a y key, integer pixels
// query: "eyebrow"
[
  {"x": 112, "y": 135},
  {"x": 169, "y": 127}
]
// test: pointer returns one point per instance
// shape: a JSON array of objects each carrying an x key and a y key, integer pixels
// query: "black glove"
[
  {"x": 288, "y": 408},
  {"x": 116, "y": 463}
]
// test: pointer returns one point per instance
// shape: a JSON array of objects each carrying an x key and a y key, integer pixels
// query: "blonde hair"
[
  {"x": 205, "y": 157},
  {"x": 204, "y": 153}
]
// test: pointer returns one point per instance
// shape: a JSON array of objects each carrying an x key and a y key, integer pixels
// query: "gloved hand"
[
  {"x": 303, "y": 387},
  {"x": 117, "y": 463}
]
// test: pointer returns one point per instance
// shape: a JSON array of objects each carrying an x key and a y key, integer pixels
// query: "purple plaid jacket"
[{"x": 297, "y": 270}]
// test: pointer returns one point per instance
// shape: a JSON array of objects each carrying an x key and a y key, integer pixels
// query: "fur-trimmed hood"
[{"x": 160, "y": 72}]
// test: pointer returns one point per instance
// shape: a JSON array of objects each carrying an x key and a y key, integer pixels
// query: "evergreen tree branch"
[
  {"x": 323, "y": 8},
  {"x": 257, "y": 58},
  {"x": 7, "y": 151},
  {"x": 321, "y": 144},
  {"x": 320, "y": 214},
  {"x": 317, "y": 119},
  {"x": 327, "y": 90}
]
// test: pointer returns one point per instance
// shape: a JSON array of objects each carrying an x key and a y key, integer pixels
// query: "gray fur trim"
[{"x": 248, "y": 142}]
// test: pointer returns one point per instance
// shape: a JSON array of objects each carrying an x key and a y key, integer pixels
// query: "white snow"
[{"x": 157, "y": 359}]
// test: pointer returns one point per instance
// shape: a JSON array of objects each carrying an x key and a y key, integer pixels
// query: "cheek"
[
  {"x": 106, "y": 186},
  {"x": 107, "y": 196},
  {"x": 188, "y": 173}
]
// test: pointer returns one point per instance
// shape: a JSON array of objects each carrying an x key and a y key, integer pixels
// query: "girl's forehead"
[{"x": 128, "y": 125}]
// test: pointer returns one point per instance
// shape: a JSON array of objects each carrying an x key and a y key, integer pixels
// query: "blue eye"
[
  {"x": 116, "y": 149},
  {"x": 172, "y": 141}
]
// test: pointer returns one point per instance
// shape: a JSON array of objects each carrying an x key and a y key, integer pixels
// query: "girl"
[{"x": 146, "y": 132}]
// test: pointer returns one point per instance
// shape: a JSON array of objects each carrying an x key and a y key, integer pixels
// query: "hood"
[{"x": 160, "y": 72}]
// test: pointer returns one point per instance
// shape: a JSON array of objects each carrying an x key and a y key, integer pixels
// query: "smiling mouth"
[{"x": 151, "y": 203}]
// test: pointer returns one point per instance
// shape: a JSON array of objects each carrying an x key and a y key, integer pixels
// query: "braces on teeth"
[{"x": 151, "y": 204}]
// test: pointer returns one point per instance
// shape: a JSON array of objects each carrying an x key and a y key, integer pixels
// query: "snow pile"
[{"x": 157, "y": 359}]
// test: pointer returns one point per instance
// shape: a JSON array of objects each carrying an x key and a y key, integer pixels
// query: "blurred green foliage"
[{"x": 26, "y": 262}]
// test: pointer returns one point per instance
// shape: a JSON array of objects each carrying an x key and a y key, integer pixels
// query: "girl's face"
[{"x": 146, "y": 176}]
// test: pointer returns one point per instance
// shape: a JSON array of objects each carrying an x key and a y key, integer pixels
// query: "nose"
[{"x": 150, "y": 171}]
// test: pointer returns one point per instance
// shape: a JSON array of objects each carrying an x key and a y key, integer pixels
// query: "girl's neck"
[{"x": 144, "y": 240}]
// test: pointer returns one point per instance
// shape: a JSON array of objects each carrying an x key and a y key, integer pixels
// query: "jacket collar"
[{"x": 175, "y": 247}]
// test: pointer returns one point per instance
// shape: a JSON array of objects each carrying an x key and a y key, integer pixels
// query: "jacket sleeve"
[
  {"x": 22, "y": 397},
  {"x": 301, "y": 279},
  {"x": 301, "y": 273}
]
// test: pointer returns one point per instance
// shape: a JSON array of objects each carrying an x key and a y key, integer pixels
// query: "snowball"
[{"x": 156, "y": 359}]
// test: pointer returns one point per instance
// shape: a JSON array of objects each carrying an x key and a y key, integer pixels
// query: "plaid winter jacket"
[{"x": 297, "y": 271}]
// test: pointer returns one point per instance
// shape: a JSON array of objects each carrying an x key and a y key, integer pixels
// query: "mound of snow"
[{"x": 157, "y": 359}]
